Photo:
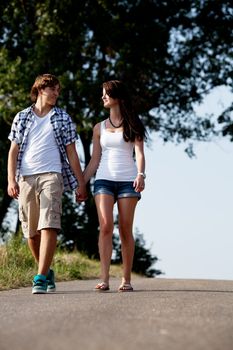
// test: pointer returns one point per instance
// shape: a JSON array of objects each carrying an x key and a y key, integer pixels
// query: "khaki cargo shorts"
[{"x": 40, "y": 202}]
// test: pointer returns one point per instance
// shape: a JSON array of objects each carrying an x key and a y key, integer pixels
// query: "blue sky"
[{"x": 185, "y": 214}]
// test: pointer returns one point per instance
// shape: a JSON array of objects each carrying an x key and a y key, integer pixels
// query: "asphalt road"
[{"x": 161, "y": 314}]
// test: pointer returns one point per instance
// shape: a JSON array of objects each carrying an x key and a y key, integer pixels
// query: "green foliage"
[
  {"x": 75, "y": 265},
  {"x": 18, "y": 266},
  {"x": 143, "y": 260},
  {"x": 170, "y": 60},
  {"x": 79, "y": 227}
]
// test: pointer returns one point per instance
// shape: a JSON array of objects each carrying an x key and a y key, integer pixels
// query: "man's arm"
[
  {"x": 13, "y": 187},
  {"x": 73, "y": 158}
]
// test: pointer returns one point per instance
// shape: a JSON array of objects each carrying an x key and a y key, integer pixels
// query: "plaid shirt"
[{"x": 64, "y": 132}]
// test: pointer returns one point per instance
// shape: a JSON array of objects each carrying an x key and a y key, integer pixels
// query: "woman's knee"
[
  {"x": 106, "y": 230},
  {"x": 125, "y": 227},
  {"x": 125, "y": 234}
]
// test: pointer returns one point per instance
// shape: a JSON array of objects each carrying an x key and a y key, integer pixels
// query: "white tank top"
[
  {"x": 117, "y": 162},
  {"x": 42, "y": 153}
]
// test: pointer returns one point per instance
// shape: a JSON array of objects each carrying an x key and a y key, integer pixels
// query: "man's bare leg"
[
  {"x": 48, "y": 246},
  {"x": 34, "y": 246}
]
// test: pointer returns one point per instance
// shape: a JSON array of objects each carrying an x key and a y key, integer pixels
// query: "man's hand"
[
  {"x": 13, "y": 189},
  {"x": 81, "y": 193}
]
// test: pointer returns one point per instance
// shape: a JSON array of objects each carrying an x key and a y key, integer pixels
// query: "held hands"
[
  {"x": 81, "y": 193},
  {"x": 139, "y": 183},
  {"x": 13, "y": 189}
]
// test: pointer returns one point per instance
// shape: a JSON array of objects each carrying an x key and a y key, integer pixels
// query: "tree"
[
  {"x": 143, "y": 260},
  {"x": 170, "y": 61},
  {"x": 79, "y": 227}
]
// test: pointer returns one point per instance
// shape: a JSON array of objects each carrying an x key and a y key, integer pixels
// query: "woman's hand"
[{"x": 139, "y": 183}]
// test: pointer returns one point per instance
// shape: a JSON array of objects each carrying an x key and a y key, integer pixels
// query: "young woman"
[{"x": 118, "y": 177}]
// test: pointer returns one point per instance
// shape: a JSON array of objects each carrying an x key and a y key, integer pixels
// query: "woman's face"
[{"x": 109, "y": 101}]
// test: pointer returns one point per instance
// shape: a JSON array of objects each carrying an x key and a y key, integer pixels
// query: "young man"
[{"x": 42, "y": 139}]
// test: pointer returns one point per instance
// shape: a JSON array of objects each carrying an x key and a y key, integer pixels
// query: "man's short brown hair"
[{"x": 41, "y": 82}]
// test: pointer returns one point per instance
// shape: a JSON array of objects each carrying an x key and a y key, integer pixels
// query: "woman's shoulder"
[
  {"x": 99, "y": 126},
  {"x": 96, "y": 129}
]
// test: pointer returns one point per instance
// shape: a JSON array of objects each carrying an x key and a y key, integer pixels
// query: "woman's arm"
[
  {"x": 96, "y": 154},
  {"x": 139, "y": 182}
]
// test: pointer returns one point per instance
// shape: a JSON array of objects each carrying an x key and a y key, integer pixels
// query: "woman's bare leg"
[
  {"x": 126, "y": 209},
  {"x": 104, "y": 204}
]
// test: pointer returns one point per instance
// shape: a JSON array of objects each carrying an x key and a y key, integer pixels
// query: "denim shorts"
[{"x": 117, "y": 189}]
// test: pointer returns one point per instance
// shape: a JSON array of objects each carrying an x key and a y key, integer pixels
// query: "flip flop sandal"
[
  {"x": 125, "y": 287},
  {"x": 101, "y": 287}
]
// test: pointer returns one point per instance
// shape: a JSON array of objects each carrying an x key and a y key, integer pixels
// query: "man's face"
[{"x": 50, "y": 94}]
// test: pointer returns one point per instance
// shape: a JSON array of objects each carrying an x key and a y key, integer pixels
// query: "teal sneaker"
[
  {"x": 39, "y": 284},
  {"x": 51, "y": 287}
]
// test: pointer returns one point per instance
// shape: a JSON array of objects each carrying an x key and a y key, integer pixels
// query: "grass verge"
[{"x": 17, "y": 266}]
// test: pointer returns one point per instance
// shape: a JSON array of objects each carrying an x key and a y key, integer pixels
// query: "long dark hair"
[{"x": 133, "y": 127}]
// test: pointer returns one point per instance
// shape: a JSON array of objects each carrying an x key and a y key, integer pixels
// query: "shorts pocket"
[{"x": 56, "y": 208}]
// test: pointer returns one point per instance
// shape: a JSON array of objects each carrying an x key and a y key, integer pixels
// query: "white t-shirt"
[
  {"x": 117, "y": 162},
  {"x": 42, "y": 153}
]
